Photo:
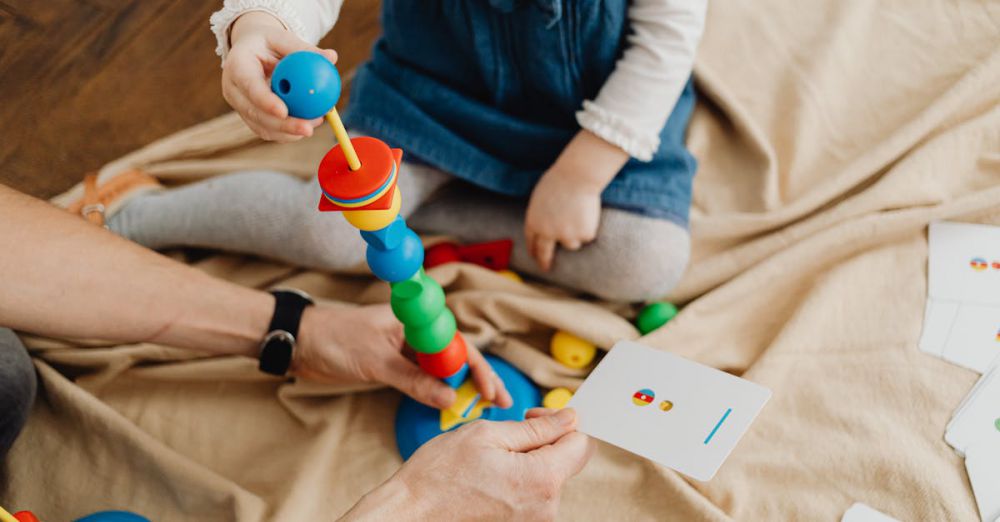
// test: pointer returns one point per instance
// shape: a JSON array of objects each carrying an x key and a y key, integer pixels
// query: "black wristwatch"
[{"x": 278, "y": 345}]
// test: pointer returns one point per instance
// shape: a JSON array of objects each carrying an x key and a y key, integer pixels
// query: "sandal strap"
[
  {"x": 92, "y": 209},
  {"x": 96, "y": 200}
]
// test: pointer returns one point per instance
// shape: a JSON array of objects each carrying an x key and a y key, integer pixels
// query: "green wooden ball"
[{"x": 655, "y": 315}]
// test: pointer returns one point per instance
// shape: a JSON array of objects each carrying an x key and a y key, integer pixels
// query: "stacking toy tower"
[{"x": 358, "y": 178}]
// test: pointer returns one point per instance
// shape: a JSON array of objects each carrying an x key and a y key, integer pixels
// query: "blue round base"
[
  {"x": 113, "y": 516},
  {"x": 417, "y": 423}
]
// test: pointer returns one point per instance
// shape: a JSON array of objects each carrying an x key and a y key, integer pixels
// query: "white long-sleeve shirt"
[{"x": 631, "y": 107}]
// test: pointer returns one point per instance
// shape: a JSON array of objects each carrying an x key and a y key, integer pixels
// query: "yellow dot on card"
[{"x": 666, "y": 405}]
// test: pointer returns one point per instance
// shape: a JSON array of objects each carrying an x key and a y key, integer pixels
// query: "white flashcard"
[
  {"x": 985, "y": 377},
  {"x": 673, "y": 411},
  {"x": 978, "y": 418},
  {"x": 964, "y": 262},
  {"x": 982, "y": 461},
  {"x": 974, "y": 337},
  {"x": 938, "y": 317},
  {"x": 864, "y": 513}
]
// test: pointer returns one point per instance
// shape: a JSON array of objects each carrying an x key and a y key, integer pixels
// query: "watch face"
[{"x": 276, "y": 352}]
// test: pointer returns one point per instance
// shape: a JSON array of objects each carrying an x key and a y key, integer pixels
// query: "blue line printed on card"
[{"x": 717, "y": 425}]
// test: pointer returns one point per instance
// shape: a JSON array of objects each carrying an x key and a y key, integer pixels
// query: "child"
[{"x": 559, "y": 124}]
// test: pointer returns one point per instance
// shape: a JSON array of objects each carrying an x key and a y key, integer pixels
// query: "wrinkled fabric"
[{"x": 829, "y": 135}]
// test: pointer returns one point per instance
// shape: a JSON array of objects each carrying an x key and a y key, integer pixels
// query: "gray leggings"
[
  {"x": 274, "y": 215},
  {"x": 17, "y": 388}
]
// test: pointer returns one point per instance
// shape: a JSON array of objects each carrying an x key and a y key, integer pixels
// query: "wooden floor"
[{"x": 85, "y": 81}]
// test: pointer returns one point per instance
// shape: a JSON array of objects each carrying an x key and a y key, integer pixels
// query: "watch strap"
[{"x": 278, "y": 345}]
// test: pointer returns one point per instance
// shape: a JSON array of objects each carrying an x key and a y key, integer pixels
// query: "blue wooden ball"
[
  {"x": 308, "y": 84},
  {"x": 400, "y": 263}
]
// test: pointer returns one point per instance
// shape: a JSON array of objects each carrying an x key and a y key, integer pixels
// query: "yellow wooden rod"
[
  {"x": 333, "y": 117},
  {"x": 6, "y": 517}
]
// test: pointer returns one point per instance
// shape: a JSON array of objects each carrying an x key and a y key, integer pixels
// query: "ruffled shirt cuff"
[
  {"x": 616, "y": 130},
  {"x": 223, "y": 19}
]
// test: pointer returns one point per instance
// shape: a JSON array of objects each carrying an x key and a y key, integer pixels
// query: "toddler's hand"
[
  {"x": 259, "y": 41},
  {"x": 565, "y": 207},
  {"x": 561, "y": 211}
]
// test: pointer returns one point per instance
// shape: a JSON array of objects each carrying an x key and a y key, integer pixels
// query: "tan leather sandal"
[{"x": 100, "y": 202}]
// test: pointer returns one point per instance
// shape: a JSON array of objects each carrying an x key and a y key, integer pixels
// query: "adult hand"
[
  {"x": 258, "y": 41},
  {"x": 366, "y": 345},
  {"x": 485, "y": 470}
]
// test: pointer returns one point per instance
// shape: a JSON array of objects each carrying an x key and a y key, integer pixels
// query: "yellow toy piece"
[
  {"x": 666, "y": 405},
  {"x": 466, "y": 408},
  {"x": 557, "y": 398},
  {"x": 333, "y": 118},
  {"x": 372, "y": 220},
  {"x": 6, "y": 517},
  {"x": 572, "y": 351},
  {"x": 509, "y": 274}
]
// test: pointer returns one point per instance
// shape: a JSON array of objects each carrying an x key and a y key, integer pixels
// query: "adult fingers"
[
  {"x": 566, "y": 456},
  {"x": 534, "y": 433},
  {"x": 489, "y": 384},
  {"x": 400, "y": 373},
  {"x": 482, "y": 374},
  {"x": 539, "y": 412}
]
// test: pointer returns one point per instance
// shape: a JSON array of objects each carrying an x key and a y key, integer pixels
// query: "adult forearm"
[{"x": 64, "y": 277}]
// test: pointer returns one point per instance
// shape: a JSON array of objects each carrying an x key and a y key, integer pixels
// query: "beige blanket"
[{"x": 829, "y": 134}]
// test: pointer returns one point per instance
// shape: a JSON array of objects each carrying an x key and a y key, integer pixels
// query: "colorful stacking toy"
[{"x": 358, "y": 178}]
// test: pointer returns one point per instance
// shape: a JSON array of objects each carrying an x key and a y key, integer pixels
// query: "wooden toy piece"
[
  {"x": 494, "y": 255},
  {"x": 369, "y": 187},
  {"x": 113, "y": 516},
  {"x": 418, "y": 301},
  {"x": 344, "y": 139},
  {"x": 308, "y": 84},
  {"x": 557, "y": 398},
  {"x": 468, "y": 406},
  {"x": 655, "y": 315},
  {"x": 447, "y": 362},
  {"x": 371, "y": 220},
  {"x": 456, "y": 379},
  {"x": 572, "y": 351},
  {"x": 441, "y": 254},
  {"x": 399, "y": 262},
  {"x": 7, "y": 517},
  {"x": 510, "y": 274},
  {"x": 389, "y": 237},
  {"x": 434, "y": 336},
  {"x": 417, "y": 423}
]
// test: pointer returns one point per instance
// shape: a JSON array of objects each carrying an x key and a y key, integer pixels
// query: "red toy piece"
[
  {"x": 26, "y": 516},
  {"x": 494, "y": 255},
  {"x": 368, "y": 188},
  {"x": 446, "y": 362},
  {"x": 441, "y": 254}
]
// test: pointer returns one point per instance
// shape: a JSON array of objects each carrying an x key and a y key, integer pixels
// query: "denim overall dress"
[{"x": 487, "y": 91}]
